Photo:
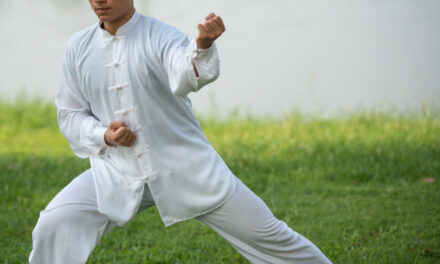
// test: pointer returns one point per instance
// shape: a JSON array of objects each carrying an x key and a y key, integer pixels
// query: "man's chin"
[{"x": 105, "y": 18}]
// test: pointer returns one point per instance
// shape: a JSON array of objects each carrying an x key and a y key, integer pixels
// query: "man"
[{"x": 121, "y": 102}]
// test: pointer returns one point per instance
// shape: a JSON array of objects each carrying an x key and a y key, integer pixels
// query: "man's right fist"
[{"x": 118, "y": 134}]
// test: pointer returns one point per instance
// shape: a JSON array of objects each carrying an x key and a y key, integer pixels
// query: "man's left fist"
[{"x": 209, "y": 31}]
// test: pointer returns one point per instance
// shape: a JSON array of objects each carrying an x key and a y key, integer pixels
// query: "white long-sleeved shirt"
[{"x": 141, "y": 76}]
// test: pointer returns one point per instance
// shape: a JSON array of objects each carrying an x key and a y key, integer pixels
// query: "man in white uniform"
[{"x": 122, "y": 102}]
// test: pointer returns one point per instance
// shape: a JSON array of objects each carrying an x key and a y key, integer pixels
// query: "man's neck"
[{"x": 113, "y": 26}]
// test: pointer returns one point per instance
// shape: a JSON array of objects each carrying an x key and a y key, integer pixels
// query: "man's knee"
[
  {"x": 51, "y": 222},
  {"x": 57, "y": 237},
  {"x": 273, "y": 231}
]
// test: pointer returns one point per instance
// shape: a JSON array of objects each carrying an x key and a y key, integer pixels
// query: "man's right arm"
[
  {"x": 83, "y": 131},
  {"x": 86, "y": 135}
]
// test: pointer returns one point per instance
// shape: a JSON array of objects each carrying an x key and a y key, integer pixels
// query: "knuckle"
[{"x": 119, "y": 134}]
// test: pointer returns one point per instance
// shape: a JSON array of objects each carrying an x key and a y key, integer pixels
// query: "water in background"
[{"x": 315, "y": 56}]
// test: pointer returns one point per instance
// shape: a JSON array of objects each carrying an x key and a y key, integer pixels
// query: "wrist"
[
  {"x": 107, "y": 139},
  {"x": 203, "y": 44}
]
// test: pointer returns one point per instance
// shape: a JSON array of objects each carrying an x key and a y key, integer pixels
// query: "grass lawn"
[{"x": 353, "y": 185}]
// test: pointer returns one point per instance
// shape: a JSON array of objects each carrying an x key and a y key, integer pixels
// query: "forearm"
[
  {"x": 192, "y": 65},
  {"x": 83, "y": 131},
  {"x": 201, "y": 67}
]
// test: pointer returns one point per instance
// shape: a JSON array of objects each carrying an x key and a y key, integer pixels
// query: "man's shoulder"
[
  {"x": 82, "y": 35},
  {"x": 156, "y": 25}
]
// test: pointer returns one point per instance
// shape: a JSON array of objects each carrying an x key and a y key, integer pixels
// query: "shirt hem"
[{"x": 210, "y": 209}]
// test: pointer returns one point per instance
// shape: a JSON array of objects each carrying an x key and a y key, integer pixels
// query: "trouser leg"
[
  {"x": 250, "y": 227},
  {"x": 70, "y": 226}
]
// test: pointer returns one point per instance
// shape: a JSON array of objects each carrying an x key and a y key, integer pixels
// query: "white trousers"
[{"x": 70, "y": 227}]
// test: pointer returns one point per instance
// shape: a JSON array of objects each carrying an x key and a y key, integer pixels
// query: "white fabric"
[
  {"x": 142, "y": 76},
  {"x": 71, "y": 226}
]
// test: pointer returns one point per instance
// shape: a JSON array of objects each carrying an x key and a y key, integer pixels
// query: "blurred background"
[
  {"x": 321, "y": 56},
  {"x": 364, "y": 186}
]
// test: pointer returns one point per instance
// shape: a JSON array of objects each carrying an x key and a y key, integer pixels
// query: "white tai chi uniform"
[{"x": 142, "y": 76}]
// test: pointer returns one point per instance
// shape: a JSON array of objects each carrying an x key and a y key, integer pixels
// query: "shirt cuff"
[
  {"x": 204, "y": 54},
  {"x": 207, "y": 63},
  {"x": 98, "y": 138}
]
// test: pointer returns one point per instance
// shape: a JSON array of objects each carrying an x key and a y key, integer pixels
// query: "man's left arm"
[{"x": 192, "y": 65}]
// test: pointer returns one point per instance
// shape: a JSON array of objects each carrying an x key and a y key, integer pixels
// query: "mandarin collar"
[{"x": 122, "y": 30}]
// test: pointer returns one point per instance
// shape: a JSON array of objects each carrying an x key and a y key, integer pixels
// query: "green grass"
[{"x": 350, "y": 184}]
